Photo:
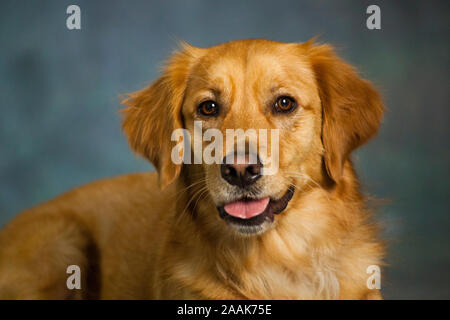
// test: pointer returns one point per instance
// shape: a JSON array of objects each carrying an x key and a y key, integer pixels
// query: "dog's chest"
[{"x": 277, "y": 282}]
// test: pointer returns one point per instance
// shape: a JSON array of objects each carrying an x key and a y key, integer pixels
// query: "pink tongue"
[{"x": 246, "y": 209}]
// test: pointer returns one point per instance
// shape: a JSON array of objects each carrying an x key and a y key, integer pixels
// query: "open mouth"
[{"x": 252, "y": 213}]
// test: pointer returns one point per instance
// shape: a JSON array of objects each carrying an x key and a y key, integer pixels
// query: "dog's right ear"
[{"x": 154, "y": 112}]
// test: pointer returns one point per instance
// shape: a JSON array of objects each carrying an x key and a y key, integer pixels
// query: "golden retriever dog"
[{"x": 219, "y": 230}]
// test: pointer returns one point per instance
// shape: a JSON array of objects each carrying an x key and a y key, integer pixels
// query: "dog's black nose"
[{"x": 241, "y": 172}]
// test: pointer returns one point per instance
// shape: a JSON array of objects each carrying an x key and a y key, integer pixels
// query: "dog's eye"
[
  {"x": 285, "y": 104},
  {"x": 208, "y": 108}
]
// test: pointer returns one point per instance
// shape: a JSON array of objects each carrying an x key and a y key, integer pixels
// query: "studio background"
[{"x": 59, "y": 102}]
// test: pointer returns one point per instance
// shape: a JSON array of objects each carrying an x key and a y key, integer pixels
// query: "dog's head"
[{"x": 301, "y": 108}]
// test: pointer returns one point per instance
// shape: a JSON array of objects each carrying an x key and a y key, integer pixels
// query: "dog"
[{"x": 220, "y": 230}]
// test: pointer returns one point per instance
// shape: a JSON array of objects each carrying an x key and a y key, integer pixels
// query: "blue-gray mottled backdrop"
[{"x": 59, "y": 125}]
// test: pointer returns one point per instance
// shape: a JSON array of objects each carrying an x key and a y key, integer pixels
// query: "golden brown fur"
[{"x": 134, "y": 240}]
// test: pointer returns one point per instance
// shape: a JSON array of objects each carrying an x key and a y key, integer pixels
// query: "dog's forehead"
[{"x": 257, "y": 61}]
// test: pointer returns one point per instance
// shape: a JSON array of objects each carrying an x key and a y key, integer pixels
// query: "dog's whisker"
[
  {"x": 197, "y": 193},
  {"x": 184, "y": 190},
  {"x": 308, "y": 178},
  {"x": 201, "y": 196},
  {"x": 193, "y": 184},
  {"x": 304, "y": 176}
]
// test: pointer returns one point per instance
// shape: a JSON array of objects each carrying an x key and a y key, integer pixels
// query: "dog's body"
[{"x": 133, "y": 240}]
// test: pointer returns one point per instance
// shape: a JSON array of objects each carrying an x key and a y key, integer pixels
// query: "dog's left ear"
[
  {"x": 154, "y": 112},
  {"x": 351, "y": 107}
]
